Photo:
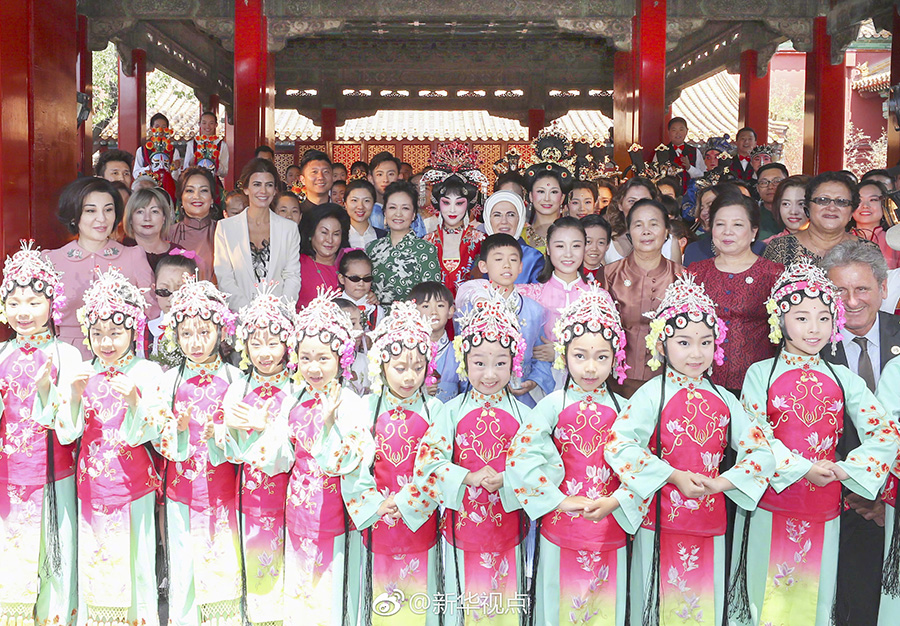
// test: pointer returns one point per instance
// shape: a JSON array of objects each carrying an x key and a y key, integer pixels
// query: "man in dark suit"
[{"x": 870, "y": 339}]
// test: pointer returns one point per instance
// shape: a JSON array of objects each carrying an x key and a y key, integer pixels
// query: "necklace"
[{"x": 453, "y": 231}]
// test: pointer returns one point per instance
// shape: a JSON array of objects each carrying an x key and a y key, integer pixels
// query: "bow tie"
[
  {"x": 744, "y": 158},
  {"x": 679, "y": 148}
]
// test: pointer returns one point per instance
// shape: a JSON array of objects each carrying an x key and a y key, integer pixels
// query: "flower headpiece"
[
  {"x": 798, "y": 281},
  {"x": 404, "y": 328},
  {"x": 593, "y": 312},
  {"x": 266, "y": 311},
  {"x": 324, "y": 319},
  {"x": 112, "y": 296},
  {"x": 489, "y": 319},
  {"x": 455, "y": 159},
  {"x": 28, "y": 268},
  {"x": 685, "y": 301},
  {"x": 198, "y": 298},
  {"x": 552, "y": 153}
]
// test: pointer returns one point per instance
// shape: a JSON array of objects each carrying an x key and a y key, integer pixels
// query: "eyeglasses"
[
  {"x": 766, "y": 182},
  {"x": 841, "y": 203},
  {"x": 162, "y": 293},
  {"x": 356, "y": 279}
]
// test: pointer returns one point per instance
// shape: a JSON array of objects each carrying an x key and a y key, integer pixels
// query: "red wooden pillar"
[
  {"x": 893, "y": 153},
  {"x": 329, "y": 124},
  {"x": 251, "y": 73},
  {"x": 753, "y": 103},
  {"x": 536, "y": 122},
  {"x": 649, "y": 47},
  {"x": 623, "y": 107},
  {"x": 38, "y": 143},
  {"x": 132, "y": 100},
  {"x": 825, "y": 110},
  {"x": 85, "y": 131}
]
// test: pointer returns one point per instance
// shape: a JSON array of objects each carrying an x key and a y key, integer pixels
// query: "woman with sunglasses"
[
  {"x": 831, "y": 199},
  {"x": 324, "y": 234}
]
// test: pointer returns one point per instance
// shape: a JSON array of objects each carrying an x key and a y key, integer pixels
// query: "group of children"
[{"x": 424, "y": 482}]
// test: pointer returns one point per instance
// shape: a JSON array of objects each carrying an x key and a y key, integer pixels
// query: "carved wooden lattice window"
[
  {"x": 374, "y": 148},
  {"x": 417, "y": 155}
]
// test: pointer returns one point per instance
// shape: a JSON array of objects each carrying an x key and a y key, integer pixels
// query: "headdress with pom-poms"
[
  {"x": 29, "y": 268},
  {"x": 685, "y": 301},
  {"x": 772, "y": 150},
  {"x": 489, "y": 319},
  {"x": 552, "y": 153},
  {"x": 198, "y": 298},
  {"x": 404, "y": 328},
  {"x": 798, "y": 281},
  {"x": 112, "y": 296},
  {"x": 459, "y": 160},
  {"x": 266, "y": 311},
  {"x": 593, "y": 312},
  {"x": 324, "y": 319}
]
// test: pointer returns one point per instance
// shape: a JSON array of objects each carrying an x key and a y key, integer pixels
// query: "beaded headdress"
[
  {"x": 552, "y": 153},
  {"x": 593, "y": 312},
  {"x": 324, "y": 319},
  {"x": 798, "y": 281},
  {"x": 198, "y": 298},
  {"x": 404, "y": 328},
  {"x": 773, "y": 150},
  {"x": 111, "y": 296},
  {"x": 489, "y": 319},
  {"x": 722, "y": 145},
  {"x": 28, "y": 268},
  {"x": 510, "y": 162},
  {"x": 684, "y": 301},
  {"x": 459, "y": 160},
  {"x": 266, "y": 311}
]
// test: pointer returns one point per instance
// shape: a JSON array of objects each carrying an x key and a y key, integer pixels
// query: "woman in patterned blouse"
[{"x": 401, "y": 260}]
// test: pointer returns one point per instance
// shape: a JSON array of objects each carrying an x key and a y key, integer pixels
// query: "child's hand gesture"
[
  {"x": 476, "y": 479},
  {"x": 388, "y": 508},
  {"x": 43, "y": 379},
  {"x": 574, "y": 504},
  {"x": 493, "y": 483},
  {"x": 125, "y": 386},
  {"x": 820, "y": 475},
  {"x": 209, "y": 430},
  {"x": 330, "y": 405},
  {"x": 526, "y": 387},
  {"x": 544, "y": 351},
  {"x": 839, "y": 473},
  {"x": 717, "y": 485},
  {"x": 245, "y": 417},
  {"x": 185, "y": 418},
  {"x": 80, "y": 381},
  {"x": 600, "y": 508},
  {"x": 689, "y": 484}
]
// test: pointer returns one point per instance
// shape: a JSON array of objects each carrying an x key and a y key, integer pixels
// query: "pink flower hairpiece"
[
  {"x": 266, "y": 311},
  {"x": 200, "y": 298},
  {"x": 490, "y": 319},
  {"x": 111, "y": 296},
  {"x": 804, "y": 280},
  {"x": 404, "y": 329},
  {"x": 29, "y": 268},
  {"x": 594, "y": 311},
  {"x": 684, "y": 301},
  {"x": 324, "y": 319}
]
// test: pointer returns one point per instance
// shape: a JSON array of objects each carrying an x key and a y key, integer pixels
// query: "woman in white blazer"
[{"x": 257, "y": 245}]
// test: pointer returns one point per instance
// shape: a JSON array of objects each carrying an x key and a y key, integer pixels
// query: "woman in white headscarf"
[{"x": 504, "y": 212}]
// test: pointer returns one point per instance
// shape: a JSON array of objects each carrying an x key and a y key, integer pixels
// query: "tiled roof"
[
  {"x": 711, "y": 109},
  {"x": 183, "y": 112}
]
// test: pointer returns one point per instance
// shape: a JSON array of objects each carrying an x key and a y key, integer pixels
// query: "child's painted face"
[
  {"x": 316, "y": 362},
  {"x": 357, "y": 282},
  {"x": 590, "y": 358},
  {"x": 711, "y": 159},
  {"x": 110, "y": 341},
  {"x": 690, "y": 351},
  {"x": 399, "y": 212},
  {"x": 289, "y": 208},
  {"x": 505, "y": 219},
  {"x": 438, "y": 311},
  {"x": 359, "y": 203},
  {"x": 581, "y": 203},
  {"x": 807, "y": 327},
  {"x": 405, "y": 373},
  {"x": 453, "y": 209},
  {"x": 168, "y": 280},
  {"x": 27, "y": 312},
  {"x": 502, "y": 265},
  {"x": 266, "y": 352},
  {"x": 595, "y": 246},
  {"x": 547, "y": 197},
  {"x": 198, "y": 339},
  {"x": 566, "y": 250},
  {"x": 489, "y": 367}
]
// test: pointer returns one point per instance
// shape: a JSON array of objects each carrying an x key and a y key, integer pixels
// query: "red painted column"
[
  {"x": 250, "y": 77},
  {"x": 85, "y": 80},
  {"x": 38, "y": 143},
  {"x": 329, "y": 124},
  {"x": 825, "y": 110},
  {"x": 753, "y": 102},
  {"x": 623, "y": 107},
  {"x": 132, "y": 100},
  {"x": 649, "y": 46},
  {"x": 536, "y": 122},
  {"x": 893, "y": 153}
]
